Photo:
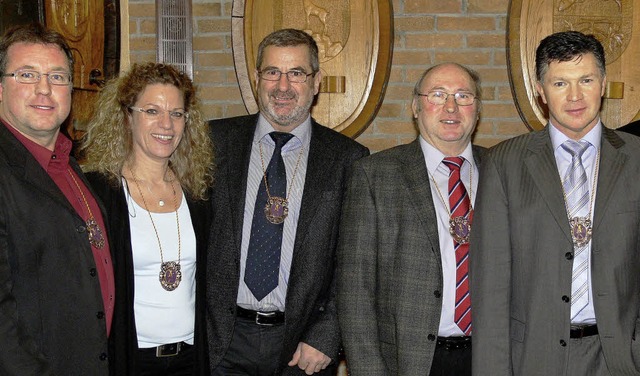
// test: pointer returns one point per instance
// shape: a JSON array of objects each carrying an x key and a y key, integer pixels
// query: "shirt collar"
[
  {"x": 60, "y": 152},
  {"x": 301, "y": 134},
  {"x": 558, "y": 138},
  {"x": 433, "y": 157}
]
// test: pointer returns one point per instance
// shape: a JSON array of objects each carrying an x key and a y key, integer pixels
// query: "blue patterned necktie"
[
  {"x": 576, "y": 190},
  {"x": 262, "y": 268}
]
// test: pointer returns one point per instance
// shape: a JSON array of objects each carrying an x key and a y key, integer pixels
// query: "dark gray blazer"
[
  {"x": 50, "y": 298},
  {"x": 521, "y": 262},
  {"x": 310, "y": 307},
  {"x": 389, "y": 265}
]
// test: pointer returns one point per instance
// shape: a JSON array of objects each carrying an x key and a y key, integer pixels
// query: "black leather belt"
[
  {"x": 454, "y": 343},
  {"x": 261, "y": 318},
  {"x": 169, "y": 349},
  {"x": 583, "y": 331}
]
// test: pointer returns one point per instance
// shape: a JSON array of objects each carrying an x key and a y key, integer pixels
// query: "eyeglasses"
[
  {"x": 28, "y": 76},
  {"x": 153, "y": 113},
  {"x": 296, "y": 76},
  {"x": 438, "y": 97}
]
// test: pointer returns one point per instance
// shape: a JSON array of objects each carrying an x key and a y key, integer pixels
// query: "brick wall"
[{"x": 427, "y": 32}]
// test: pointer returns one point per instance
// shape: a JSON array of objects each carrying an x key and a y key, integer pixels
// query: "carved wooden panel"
[
  {"x": 92, "y": 30},
  {"x": 614, "y": 22},
  {"x": 355, "y": 41}
]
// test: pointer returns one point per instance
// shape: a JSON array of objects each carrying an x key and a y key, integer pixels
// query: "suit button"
[
  {"x": 100, "y": 315},
  {"x": 565, "y": 299},
  {"x": 437, "y": 294},
  {"x": 81, "y": 229},
  {"x": 569, "y": 255},
  {"x": 92, "y": 272},
  {"x": 563, "y": 343},
  {"x": 431, "y": 337},
  {"x": 103, "y": 356}
]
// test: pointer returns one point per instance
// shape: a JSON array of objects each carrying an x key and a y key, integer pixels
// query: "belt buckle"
[
  {"x": 170, "y": 349},
  {"x": 265, "y": 315}
]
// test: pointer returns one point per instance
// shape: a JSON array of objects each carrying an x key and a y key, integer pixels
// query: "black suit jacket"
[
  {"x": 310, "y": 306},
  {"x": 123, "y": 341},
  {"x": 50, "y": 296}
]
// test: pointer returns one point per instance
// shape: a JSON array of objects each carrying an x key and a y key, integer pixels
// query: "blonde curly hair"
[{"x": 108, "y": 143}]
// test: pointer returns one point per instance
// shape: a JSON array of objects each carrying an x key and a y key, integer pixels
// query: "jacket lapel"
[
  {"x": 320, "y": 164},
  {"x": 612, "y": 161},
  {"x": 239, "y": 150},
  {"x": 417, "y": 183},
  {"x": 542, "y": 166}
]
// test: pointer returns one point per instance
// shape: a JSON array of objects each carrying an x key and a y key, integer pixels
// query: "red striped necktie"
[{"x": 460, "y": 207}]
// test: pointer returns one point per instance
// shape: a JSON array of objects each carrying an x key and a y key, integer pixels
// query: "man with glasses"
[
  {"x": 56, "y": 278},
  {"x": 276, "y": 205},
  {"x": 403, "y": 293}
]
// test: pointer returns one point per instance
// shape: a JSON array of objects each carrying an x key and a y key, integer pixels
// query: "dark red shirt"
[{"x": 56, "y": 164}]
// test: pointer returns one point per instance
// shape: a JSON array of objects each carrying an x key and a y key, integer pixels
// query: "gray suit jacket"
[
  {"x": 389, "y": 265},
  {"x": 521, "y": 259},
  {"x": 310, "y": 307}
]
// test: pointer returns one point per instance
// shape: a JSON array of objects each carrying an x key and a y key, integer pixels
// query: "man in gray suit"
[
  {"x": 277, "y": 199},
  {"x": 555, "y": 261},
  {"x": 403, "y": 301}
]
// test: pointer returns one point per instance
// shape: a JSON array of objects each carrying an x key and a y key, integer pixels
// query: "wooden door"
[{"x": 92, "y": 30}]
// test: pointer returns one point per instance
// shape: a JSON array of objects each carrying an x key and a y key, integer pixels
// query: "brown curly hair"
[{"x": 108, "y": 143}]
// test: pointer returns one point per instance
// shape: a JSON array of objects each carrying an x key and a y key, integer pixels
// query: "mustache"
[{"x": 289, "y": 94}]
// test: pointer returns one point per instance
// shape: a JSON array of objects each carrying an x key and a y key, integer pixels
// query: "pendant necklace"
[
  {"x": 581, "y": 229},
  {"x": 277, "y": 208},
  {"x": 460, "y": 226},
  {"x": 96, "y": 238},
  {"x": 170, "y": 273}
]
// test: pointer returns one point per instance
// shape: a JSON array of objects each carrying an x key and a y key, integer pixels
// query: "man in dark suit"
[
  {"x": 56, "y": 278},
  {"x": 276, "y": 206},
  {"x": 555, "y": 255},
  {"x": 633, "y": 128},
  {"x": 403, "y": 296}
]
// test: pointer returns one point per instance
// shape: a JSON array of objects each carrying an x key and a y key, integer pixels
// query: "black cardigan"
[{"x": 123, "y": 341}]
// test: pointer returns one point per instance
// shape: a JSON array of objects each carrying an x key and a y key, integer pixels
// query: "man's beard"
[{"x": 295, "y": 116}]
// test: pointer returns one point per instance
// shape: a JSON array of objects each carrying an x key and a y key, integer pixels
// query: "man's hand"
[{"x": 309, "y": 359}]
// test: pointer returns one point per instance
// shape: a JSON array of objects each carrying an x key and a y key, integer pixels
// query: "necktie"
[
  {"x": 576, "y": 190},
  {"x": 460, "y": 206},
  {"x": 262, "y": 268}
]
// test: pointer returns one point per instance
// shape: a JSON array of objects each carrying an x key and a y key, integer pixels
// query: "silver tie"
[{"x": 576, "y": 189}]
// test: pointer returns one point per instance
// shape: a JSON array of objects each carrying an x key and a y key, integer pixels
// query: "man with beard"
[{"x": 277, "y": 199}]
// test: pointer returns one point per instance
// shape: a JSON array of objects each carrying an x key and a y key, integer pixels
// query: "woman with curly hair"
[{"x": 149, "y": 158}]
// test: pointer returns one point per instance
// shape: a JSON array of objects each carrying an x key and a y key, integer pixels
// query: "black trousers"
[
  {"x": 451, "y": 362},
  {"x": 254, "y": 350}
]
